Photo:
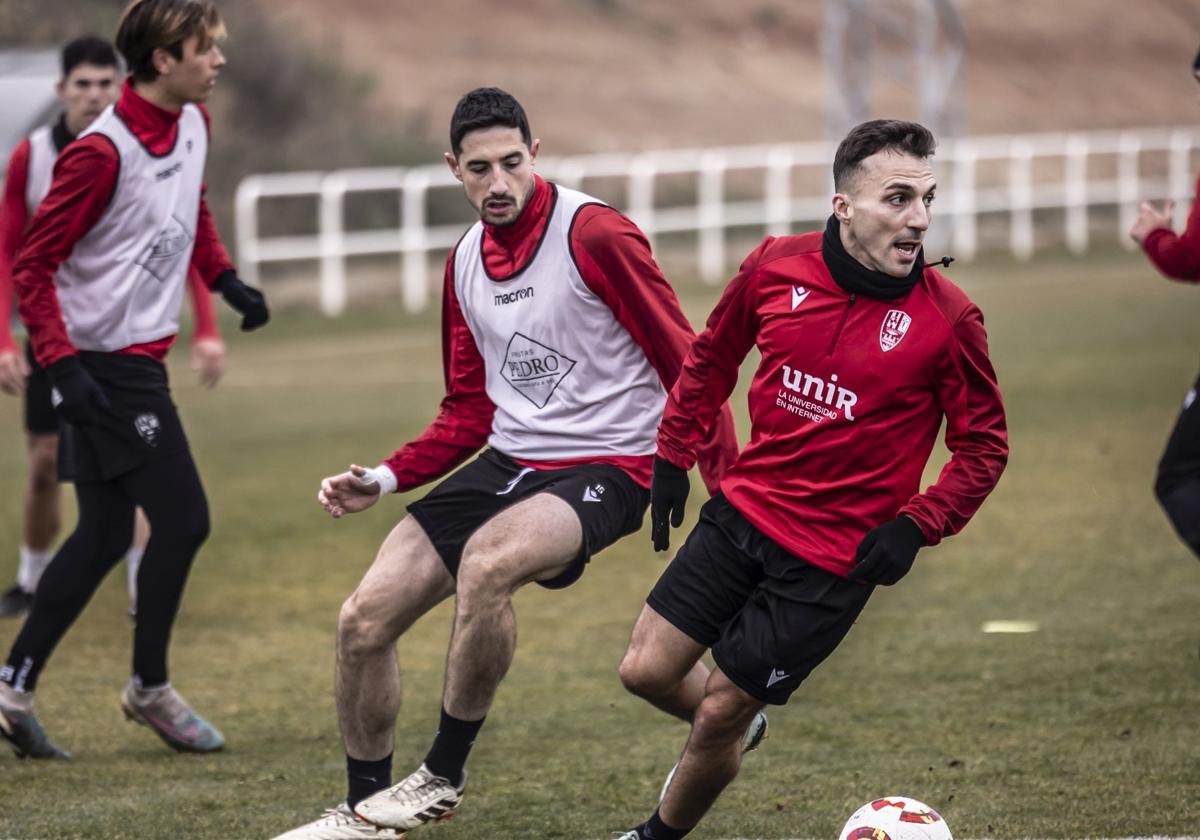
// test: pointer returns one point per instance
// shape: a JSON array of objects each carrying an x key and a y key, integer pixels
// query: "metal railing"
[{"x": 970, "y": 191}]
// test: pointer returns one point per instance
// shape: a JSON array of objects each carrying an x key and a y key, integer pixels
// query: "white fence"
[{"x": 1007, "y": 176}]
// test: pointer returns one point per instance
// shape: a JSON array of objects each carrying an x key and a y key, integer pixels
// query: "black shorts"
[
  {"x": 40, "y": 417},
  {"x": 1180, "y": 463},
  {"x": 608, "y": 502},
  {"x": 769, "y": 617},
  {"x": 142, "y": 427}
]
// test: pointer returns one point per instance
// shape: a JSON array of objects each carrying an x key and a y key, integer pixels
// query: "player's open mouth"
[
  {"x": 908, "y": 249},
  {"x": 497, "y": 206}
]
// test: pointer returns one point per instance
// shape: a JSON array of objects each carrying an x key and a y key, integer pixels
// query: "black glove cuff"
[
  {"x": 913, "y": 530},
  {"x": 225, "y": 280},
  {"x": 665, "y": 468}
]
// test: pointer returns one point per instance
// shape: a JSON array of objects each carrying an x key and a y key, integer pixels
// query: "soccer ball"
[{"x": 896, "y": 818}]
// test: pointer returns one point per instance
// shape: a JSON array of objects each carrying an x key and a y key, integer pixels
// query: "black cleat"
[{"x": 15, "y": 601}]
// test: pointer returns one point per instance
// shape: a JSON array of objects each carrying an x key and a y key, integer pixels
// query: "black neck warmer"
[
  {"x": 856, "y": 278},
  {"x": 60, "y": 135}
]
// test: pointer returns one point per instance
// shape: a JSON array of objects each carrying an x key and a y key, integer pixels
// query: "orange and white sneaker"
[{"x": 421, "y": 798}]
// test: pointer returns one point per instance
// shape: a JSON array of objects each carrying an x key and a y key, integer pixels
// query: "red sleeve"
[
  {"x": 209, "y": 257},
  {"x": 14, "y": 213},
  {"x": 464, "y": 419},
  {"x": 85, "y": 176},
  {"x": 1178, "y": 257},
  {"x": 976, "y": 433},
  {"x": 614, "y": 258},
  {"x": 202, "y": 307},
  {"x": 711, "y": 368}
]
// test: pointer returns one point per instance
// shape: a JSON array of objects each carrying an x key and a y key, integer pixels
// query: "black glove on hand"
[
  {"x": 245, "y": 299},
  {"x": 75, "y": 395},
  {"x": 668, "y": 494},
  {"x": 887, "y": 552}
]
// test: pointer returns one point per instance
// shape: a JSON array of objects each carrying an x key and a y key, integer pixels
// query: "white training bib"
[
  {"x": 124, "y": 281},
  {"x": 567, "y": 380},
  {"x": 42, "y": 154}
]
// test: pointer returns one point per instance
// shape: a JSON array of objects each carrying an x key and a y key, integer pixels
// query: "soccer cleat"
[
  {"x": 171, "y": 718},
  {"x": 15, "y": 601},
  {"x": 632, "y": 834},
  {"x": 421, "y": 798},
  {"x": 25, "y": 734},
  {"x": 340, "y": 823},
  {"x": 755, "y": 733}
]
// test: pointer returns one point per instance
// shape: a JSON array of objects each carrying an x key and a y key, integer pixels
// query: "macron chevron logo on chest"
[
  {"x": 534, "y": 369},
  {"x": 799, "y": 293}
]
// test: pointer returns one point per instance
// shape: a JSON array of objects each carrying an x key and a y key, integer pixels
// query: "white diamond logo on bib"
[{"x": 534, "y": 369}]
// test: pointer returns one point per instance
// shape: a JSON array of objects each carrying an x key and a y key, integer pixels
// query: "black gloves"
[
  {"x": 75, "y": 395},
  {"x": 887, "y": 552},
  {"x": 668, "y": 494},
  {"x": 245, "y": 299}
]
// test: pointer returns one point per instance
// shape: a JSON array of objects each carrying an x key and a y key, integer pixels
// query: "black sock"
[
  {"x": 451, "y": 746},
  {"x": 655, "y": 829},
  {"x": 366, "y": 777}
]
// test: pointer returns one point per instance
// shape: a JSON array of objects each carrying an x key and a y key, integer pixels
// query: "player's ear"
[
  {"x": 843, "y": 208},
  {"x": 162, "y": 60},
  {"x": 533, "y": 149},
  {"x": 452, "y": 162}
]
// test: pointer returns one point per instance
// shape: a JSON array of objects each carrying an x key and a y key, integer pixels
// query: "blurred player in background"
[
  {"x": 100, "y": 279},
  {"x": 865, "y": 350},
  {"x": 1177, "y": 484},
  {"x": 561, "y": 338},
  {"x": 89, "y": 84}
]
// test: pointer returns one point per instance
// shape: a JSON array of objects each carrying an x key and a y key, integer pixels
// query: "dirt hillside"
[{"x": 629, "y": 74}]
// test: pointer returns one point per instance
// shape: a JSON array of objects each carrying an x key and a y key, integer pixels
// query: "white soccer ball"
[{"x": 896, "y": 818}]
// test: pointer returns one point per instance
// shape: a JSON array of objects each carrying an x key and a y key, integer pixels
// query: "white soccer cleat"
[
  {"x": 421, "y": 798},
  {"x": 340, "y": 823},
  {"x": 755, "y": 733}
]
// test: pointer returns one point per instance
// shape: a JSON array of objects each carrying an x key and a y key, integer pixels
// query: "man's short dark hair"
[
  {"x": 864, "y": 140},
  {"x": 484, "y": 108},
  {"x": 148, "y": 25},
  {"x": 87, "y": 49}
]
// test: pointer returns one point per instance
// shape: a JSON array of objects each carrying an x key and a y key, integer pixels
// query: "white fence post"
[
  {"x": 642, "y": 172},
  {"x": 415, "y": 282},
  {"x": 711, "y": 192},
  {"x": 1075, "y": 177},
  {"x": 1179, "y": 176},
  {"x": 778, "y": 191},
  {"x": 332, "y": 296},
  {"x": 1020, "y": 197},
  {"x": 1128, "y": 187},
  {"x": 245, "y": 227},
  {"x": 966, "y": 240}
]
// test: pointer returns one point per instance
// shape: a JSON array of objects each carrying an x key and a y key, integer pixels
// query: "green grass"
[{"x": 1085, "y": 728}]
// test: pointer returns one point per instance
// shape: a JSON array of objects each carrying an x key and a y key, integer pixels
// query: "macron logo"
[
  {"x": 593, "y": 494},
  {"x": 799, "y": 293},
  {"x": 776, "y": 676}
]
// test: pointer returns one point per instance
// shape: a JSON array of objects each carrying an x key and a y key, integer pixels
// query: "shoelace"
[{"x": 410, "y": 790}]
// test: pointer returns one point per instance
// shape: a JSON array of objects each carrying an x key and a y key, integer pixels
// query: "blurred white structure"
[
  {"x": 27, "y": 98},
  {"x": 1066, "y": 179}
]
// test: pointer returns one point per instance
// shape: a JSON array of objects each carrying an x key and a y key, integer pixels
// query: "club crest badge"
[
  {"x": 895, "y": 326},
  {"x": 147, "y": 426}
]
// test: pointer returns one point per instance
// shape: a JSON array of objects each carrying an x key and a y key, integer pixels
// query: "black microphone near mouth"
[{"x": 944, "y": 262}]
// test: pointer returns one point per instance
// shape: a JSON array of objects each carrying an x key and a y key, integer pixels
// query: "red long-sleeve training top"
[
  {"x": 615, "y": 261},
  {"x": 845, "y": 405},
  {"x": 1177, "y": 256}
]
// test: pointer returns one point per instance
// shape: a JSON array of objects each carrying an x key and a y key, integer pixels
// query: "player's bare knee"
[
  {"x": 485, "y": 579},
  {"x": 640, "y": 677},
  {"x": 723, "y": 717},
  {"x": 359, "y": 632},
  {"x": 43, "y": 469}
]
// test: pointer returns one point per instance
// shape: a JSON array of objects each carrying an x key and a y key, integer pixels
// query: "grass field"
[{"x": 1089, "y": 727}]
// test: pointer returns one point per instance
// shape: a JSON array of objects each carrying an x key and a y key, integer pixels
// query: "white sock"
[
  {"x": 33, "y": 563},
  {"x": 133, "y": 562}
]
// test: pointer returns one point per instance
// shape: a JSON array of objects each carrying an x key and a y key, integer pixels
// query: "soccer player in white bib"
[
  {"x": 100, "y": 280},
  {"x": 561, "y": 339},
  {"x": 89, "y": 84}
]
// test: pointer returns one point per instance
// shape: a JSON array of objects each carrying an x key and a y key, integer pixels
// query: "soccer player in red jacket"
[
  {"x": 865, "y": 351},
  {"x": 89, "y": 84},
  {"x": 1177, "y": 256},
  {"x": 100, "y": 280},
  {"x": 561, "y": 338}
]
